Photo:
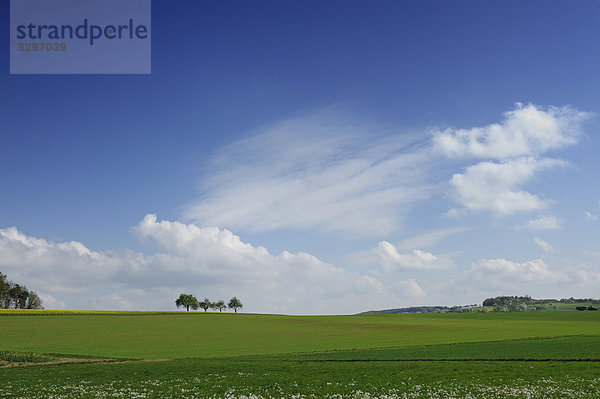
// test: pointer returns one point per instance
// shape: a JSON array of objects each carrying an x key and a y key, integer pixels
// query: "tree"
[
  {"x": 219, "y": 305},
  {"x": 4, "y": 291},
  {"x": 205, "y": 304},
  {"x": 235, "y": 304},
  {"x": 17, "y": 296},
  {"x": 523, "y": 307},
  {"x": 34, "y": 301},
  {"x": 188, "y": 301}
]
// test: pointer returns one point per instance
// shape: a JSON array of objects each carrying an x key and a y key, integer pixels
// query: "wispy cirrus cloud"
[
  {"x": 323, "y": 172},
  {"x": 429, "y": 238},
  {"x": 543, "y": 245}
]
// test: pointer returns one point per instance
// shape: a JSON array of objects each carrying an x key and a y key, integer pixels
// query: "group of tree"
[
  {"x": 15, "y": 296},
  {"x": 579, "y": 300},
  {"x": 425, "y": 309},
  {"x": 527, "y": 303},
  {"x": 190, "y": 301},
  {"x": 509, "y": 301}
]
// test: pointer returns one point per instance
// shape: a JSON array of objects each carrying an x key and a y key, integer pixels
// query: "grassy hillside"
[{"x": 187, "y": 335}]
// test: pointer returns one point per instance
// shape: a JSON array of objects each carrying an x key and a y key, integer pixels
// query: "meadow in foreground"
[
  {"x": 401, "y": 356},
  {"x": 271, "y": 378}
]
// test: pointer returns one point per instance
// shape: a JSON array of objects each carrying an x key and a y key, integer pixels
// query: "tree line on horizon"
[
  {"x": 190, "y": 301},
  {"x": 517, "y": 300},
  {"x": 503, "y": 303},
  {"x": 16, "y": 296}
]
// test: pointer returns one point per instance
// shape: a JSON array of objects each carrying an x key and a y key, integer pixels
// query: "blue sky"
[{"x": 313, "y": 157}]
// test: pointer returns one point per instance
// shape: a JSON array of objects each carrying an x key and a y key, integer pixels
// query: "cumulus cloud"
[
  {"x": 386, "y": 256},
  {"x": 491, "y": 186},
  {"x": 525, "y": 131},
  {"x": 206, "y": 261},
  {"x": 512, "y": 153},
  {"x": 61, "y": 267},
  {"x": 500, "y": 271},
  {"x": 218, "y": 264},
  {"x": 543, "y": 245},
  {"x": 545, "y": 222},
  {"x": 320, "y": 172}
]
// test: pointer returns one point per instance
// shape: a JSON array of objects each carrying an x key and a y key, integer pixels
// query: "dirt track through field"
[{"x": 68, "y": 360}]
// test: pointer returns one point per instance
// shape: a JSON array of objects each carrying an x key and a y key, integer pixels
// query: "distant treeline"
[
  {"x": 509, "y": 301},
  {"x": 15, "y": 296},
  {"x": 578, "y": 300},
  {"x": 424, "y": 309},
  {"x": 499, "y": 304},
  {"x": 527, "y": 300}
]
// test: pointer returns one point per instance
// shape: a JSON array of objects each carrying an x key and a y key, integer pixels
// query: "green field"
[
  {"x": 528, "y": 354},
  {"x": 181, "y": 335}
]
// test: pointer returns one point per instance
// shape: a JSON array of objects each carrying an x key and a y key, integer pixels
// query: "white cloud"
[
  {"x": 512, "y": 151},
  {"x": 543, "y": 245},
  {"x": 525, "y": 131},
  {"x": 328, "y": 172},
  {"x": 491, "y": 186},
  {"x": 50, "y": 302},
  {"x": 390, "y": 260},
  {"x": 546, "y": 222},
  {"x": 428, "y": 239},
  {"x": 206, "y": 261},
  {"x": 216, "y": 263},
  {"x": 409, "y": 288},
  {"x": 59, "y": 267},
  {"x": 587, "y": 274},
  {"x": 455, "y": 213},
  {"x": 211, "y": 257},
  {"x": 318, "y": 172},
  {"x": 501, "y": 271},
  {"x": 590, "y": 216}
]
